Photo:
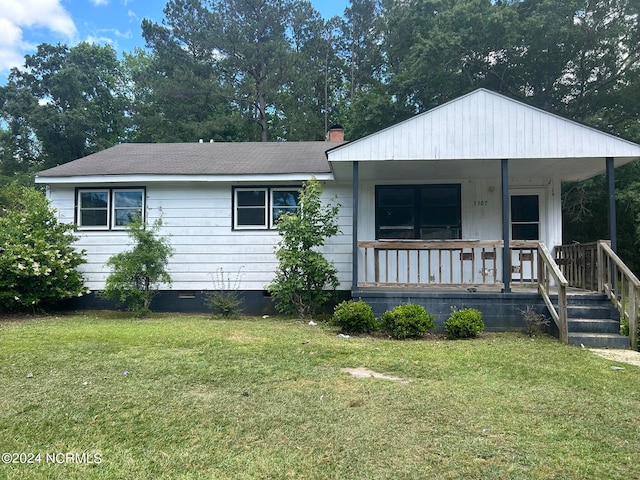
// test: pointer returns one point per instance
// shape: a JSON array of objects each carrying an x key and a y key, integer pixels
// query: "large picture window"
[
  {"x": 260, "y": 208},
  {"x": 108, "y": 208},
  {"x": 426, "y": 212}
]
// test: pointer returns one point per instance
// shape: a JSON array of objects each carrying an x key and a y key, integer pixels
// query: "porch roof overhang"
[
  {"x": 565, "y": 169},
  {"x": 467, "y": 137}
]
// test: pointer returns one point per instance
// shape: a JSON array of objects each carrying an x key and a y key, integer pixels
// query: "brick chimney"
[{"x": 335, "y": 134}]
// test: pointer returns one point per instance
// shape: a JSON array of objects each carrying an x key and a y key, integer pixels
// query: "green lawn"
[{"x": 189, "y": 397}]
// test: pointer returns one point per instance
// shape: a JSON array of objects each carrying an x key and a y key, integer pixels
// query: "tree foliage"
[
  {"x": 304, "y": 279},
  {"x": 138, "y": 273},
  {"x": 38, "y": 263},
  {"x": 64, "y": 103}
]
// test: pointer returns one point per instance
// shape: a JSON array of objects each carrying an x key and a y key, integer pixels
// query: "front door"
[{"x": 525, "y": 224}]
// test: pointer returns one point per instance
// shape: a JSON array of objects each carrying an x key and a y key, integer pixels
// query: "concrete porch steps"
[{"x": 593, "y": 322}]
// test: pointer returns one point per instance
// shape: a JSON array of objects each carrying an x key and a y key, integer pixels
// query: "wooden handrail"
[
  {"x": 428, "y": 244},
  {"x": 461, "y": 263},
  {"x": 547, "y": 268},
  {"x": 622, "y": 287}
]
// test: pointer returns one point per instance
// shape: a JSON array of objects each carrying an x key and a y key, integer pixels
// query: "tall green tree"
[
  {"x": 236, "y": 43},
  {"x": 313, "y": 77},
  {"x": 262, "y": 64},
  {"x": 440, "y": 49},
  {"x": 177, "y": 91},
  {"x": 63, "y": 104}
]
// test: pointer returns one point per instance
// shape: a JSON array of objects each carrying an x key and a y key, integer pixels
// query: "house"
[{"x": 459, "y": 206}]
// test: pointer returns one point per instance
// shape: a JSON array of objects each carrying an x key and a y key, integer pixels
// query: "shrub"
[
  {"x": 465, "y": 323},
  {"x": 38, "y": 263},
  {"x": 407, "y": 321},
  {"x": 624, "y": 327},
  {"x": 354, "y": 317},
  {"x": 534, "y": 322},
  {"x": 225, "y": 299},
  {"x": 304, "y": 279},
  {"x": 137, "y": 273}
]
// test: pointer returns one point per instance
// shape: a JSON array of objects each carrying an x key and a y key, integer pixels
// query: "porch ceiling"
[{"x": 565, "y": 169}]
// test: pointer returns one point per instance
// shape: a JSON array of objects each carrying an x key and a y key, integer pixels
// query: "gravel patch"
[
  {"x": 363, "y": 372},
  {"x": 623, "y": 356}
]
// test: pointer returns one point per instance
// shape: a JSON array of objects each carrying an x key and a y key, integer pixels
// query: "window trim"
[
  {"x": 235, "y": 208},
  {"x": 111, "y": 217},
  {"x": 268, "y": 207}
]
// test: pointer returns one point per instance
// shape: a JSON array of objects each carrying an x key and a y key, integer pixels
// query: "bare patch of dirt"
[
  {"x": 623, "y": 356},
  {"x": 363, "y": 372}
]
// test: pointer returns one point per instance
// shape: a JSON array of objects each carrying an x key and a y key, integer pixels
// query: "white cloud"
[
  {"x": 19, "y": 16},
  {"x": 100, "y": 3}
]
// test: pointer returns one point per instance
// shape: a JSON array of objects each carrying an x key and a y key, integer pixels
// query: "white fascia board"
[{"x": 145, "y": 179}]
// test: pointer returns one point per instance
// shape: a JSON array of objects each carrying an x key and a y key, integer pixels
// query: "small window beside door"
[{"x": 525, "y": 217}]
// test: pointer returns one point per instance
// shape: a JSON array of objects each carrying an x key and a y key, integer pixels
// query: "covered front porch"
[{"x": 462, "y": 204}]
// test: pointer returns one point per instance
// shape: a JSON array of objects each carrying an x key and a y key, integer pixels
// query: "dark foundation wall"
[
  {"x": 253, "y": 302},
  {"x": 500, "y": 311}
]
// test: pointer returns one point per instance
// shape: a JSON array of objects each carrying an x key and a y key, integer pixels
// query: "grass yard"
[{"x": 181, "y": 397}]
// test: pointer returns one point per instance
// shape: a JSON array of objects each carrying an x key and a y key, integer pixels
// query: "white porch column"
[{"x": 354, "y": 248}]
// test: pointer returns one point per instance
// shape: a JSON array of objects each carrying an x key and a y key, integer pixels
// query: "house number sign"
[{"x": 480, "y": 203}]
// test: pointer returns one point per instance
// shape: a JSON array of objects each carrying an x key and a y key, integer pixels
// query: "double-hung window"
[
  {"x": 108, "y": 208},
  {"x": 260, "y": 208}
]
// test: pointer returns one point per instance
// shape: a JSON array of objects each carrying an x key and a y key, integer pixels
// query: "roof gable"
[{"x": 486, "y": 125}]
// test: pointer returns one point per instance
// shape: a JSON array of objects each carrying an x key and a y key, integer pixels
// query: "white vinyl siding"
[{"x": 197, "y": 217}]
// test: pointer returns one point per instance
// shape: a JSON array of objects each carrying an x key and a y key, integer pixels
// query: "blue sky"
[{"x": 26, "y": 23}]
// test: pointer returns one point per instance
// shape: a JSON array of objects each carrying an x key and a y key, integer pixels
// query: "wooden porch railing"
[
  {"x": 465, "y": 263},
  {"x": 548, "y": 268},
  {"x": 579, "y": 264},
  {"x": 595, "y": 266}
]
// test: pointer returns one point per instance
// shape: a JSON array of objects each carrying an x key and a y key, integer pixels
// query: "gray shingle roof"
[{"x": 201, "y": 159}]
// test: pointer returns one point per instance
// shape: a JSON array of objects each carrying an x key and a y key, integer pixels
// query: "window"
[
  {"x": 108, "y": 208},
  {"x": 282, "y": 202},
  {"x": 525, "y": 217},
  {"x": 251, "y": 208},
  {"x": 426, "y": 212},
  {"x": 93, "y": 208},
  {"x": 260, "y": 208}
]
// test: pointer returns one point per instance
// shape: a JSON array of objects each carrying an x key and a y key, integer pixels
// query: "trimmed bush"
[
  {"x": 407, "y": 321},
  {"x": 465, "y": 323},
  {"x": 354, "y": 317}
]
